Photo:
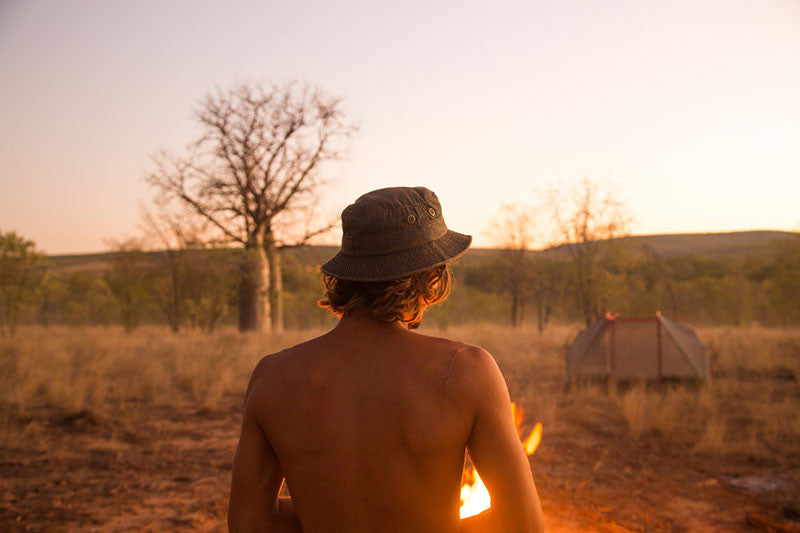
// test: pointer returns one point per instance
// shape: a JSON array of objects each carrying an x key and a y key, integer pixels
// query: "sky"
[{"x": 690, "y": 110}]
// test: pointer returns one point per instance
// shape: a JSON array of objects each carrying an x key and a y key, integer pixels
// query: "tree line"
[
  {"x": 592, "y": 267},
  {"x": 199, "y": 287},
  {"x": 631, "y": 280}
]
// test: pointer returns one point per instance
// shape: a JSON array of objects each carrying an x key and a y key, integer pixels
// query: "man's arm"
[
  {"x": 257, "y": 478},
  {"x": 497, "y": 453}
]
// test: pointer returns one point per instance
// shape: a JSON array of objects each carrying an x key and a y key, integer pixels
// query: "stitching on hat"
[
  {"x": 449, "y": 235},
  {"x": 418, "y": 227},
  {"x": 387, "y": 210},
  {"x": 421, "y": 222}
]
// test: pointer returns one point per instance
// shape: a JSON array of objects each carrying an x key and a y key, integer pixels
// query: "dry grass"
[
  {"x": 751, "y": 409},
  {"x": 100, "y": 429},
  {"x": 753, "y": 351},
  {"x": 105, "y": 373}
]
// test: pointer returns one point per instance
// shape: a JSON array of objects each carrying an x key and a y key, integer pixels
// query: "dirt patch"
[
  {"x": 176, "y": 476},
  {"x": 173, "y": 474}
]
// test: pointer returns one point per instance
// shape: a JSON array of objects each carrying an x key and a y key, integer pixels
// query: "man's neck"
[{"x": 360, "y": 320}]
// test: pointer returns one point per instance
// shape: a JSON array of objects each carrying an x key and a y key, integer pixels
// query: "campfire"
[{"x": 474, "y": 496}]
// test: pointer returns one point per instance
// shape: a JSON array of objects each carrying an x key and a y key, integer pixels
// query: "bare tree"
[
  {"x": 544, "y": 288},
  {"x": 190, "y": 272},
  {"x": 168, "y": 279},
  {"x": 585, "y": 219},
  {"x": 525, "y": 277},
  {"x": 512, "y": 230},
  {"x": 209, "y": 279},
  {"x": 257, "y": 161}
]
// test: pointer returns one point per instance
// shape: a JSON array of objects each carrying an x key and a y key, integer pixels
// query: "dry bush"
[
  {"x": 754, "y": 351},
  {"x": 673, "y": 414},
  {"x": 591, "y": 405},
  {"x": 749, "y": 410},
  {"x": 714, "y": 439},
  {"x": 106, "y": 373}
]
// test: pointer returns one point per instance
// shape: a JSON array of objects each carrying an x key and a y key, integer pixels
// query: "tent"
[{"x": 629, "y": 349}]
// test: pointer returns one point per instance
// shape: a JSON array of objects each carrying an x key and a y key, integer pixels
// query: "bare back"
[
  {"x": 368, "y": 424},
  {"x": 368, "y": 429}
]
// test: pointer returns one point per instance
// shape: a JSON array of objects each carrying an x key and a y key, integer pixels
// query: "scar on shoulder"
[{"x": 446, "y": 377}]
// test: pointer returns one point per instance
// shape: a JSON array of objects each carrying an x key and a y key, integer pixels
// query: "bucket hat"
[{"x": 393, "y": 233}]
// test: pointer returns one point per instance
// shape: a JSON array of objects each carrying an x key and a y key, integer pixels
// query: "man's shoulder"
[
  {"x": 475, "y": 363},
  {"x": 282, "y": 365},
  {"x": 468, "y": 364},
  {"x": 469, "y": 354}
]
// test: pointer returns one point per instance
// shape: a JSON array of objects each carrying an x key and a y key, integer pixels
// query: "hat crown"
[
  {"x": 393, "y": 219},
  {"x": 394, "y": 232},
  {"x": 388, "y": 209}
]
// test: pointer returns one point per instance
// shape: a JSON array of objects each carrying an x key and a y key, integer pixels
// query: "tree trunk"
[
  {"x": 514, "y": 308},
  {"x": 582, "y": 290},
  {"x": 673, "y": 302},
  {"x": 253, "y": 304},
  {"x": 540, "y": 318},
  {"x": 214, "y": 313},
  {"x": 275, "y": 285},
  {"x": 176, "y": 276}
]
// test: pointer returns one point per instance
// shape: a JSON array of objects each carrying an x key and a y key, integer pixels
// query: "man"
[{"x": 368, "y": 423}]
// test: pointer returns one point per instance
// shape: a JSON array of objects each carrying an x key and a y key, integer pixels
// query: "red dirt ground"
[{"x": 169, "y": 470}]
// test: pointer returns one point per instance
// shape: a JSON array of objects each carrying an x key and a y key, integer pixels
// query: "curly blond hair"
[{"x": 404, "y": 299}]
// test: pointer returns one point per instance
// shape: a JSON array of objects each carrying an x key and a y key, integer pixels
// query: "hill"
[
  {"x": 714, "y": 245},
  {"x": 705, "y": 245},
  {"x": 710, "y": 244}
]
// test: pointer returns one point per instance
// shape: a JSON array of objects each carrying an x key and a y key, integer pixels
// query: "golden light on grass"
[
  {"x": 116, "y": 382},
  {"x": 475, "y": 497}
]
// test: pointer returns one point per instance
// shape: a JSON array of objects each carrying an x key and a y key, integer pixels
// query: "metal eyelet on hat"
[
  {"x": 432, "y": 211},
  {"x": 411, "y": 219}
]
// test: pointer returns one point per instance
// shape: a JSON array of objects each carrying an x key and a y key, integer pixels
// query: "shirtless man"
[{"x": 368, "y": 423}]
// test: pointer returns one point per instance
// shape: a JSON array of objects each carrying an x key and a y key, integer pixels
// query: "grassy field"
[{"x": 92, "y": 419}]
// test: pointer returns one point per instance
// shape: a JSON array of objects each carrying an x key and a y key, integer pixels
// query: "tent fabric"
[
  {"x": 586, "y": 352},
  {"x": 631, "y": 341},
  {"x": 687, "y": 340},
  {"x": 637, "y": 349},
  {"x": 675, "y": 362}
]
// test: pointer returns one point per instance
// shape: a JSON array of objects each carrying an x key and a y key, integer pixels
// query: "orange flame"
[
  {"x": 532, "y": 441},
  {"x": 474, "y": 495}
]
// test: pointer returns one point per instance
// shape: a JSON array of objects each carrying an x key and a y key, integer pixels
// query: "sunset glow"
[{"x": 690, "y": 108}]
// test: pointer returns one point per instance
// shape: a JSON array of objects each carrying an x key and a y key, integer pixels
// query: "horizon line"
[{"x": 549, "y": 246}]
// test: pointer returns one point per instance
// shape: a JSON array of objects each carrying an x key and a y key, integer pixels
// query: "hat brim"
[{"x": 398, "y": 264}]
